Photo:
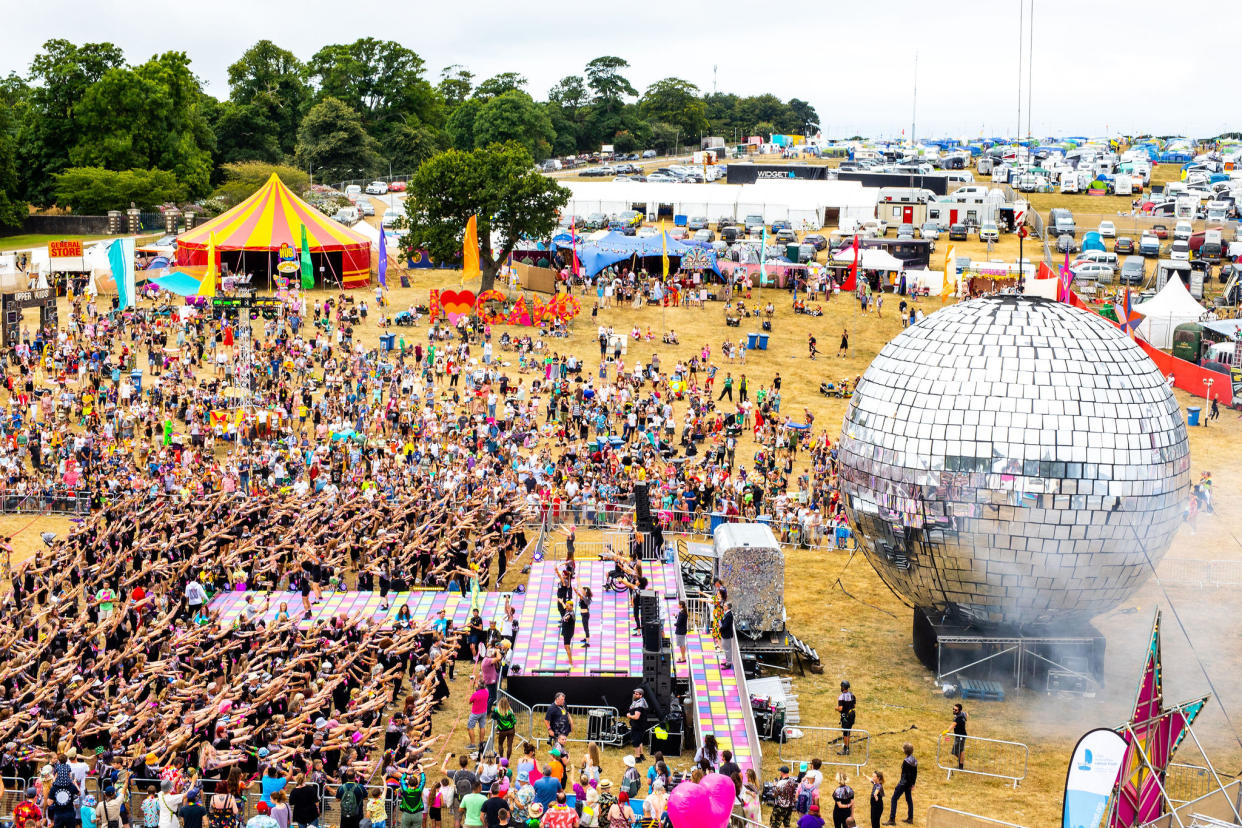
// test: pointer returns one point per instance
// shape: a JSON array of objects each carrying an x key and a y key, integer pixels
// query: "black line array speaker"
[
  {"x": 642, "y": 508},
  {"x": 649, "y": 607}
]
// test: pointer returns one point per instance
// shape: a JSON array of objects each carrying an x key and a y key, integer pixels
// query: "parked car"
[
  {"x": 1067, "y": 243},
  {"x": 396, "y": 187},
  {"x": 988, "y": 231},
  {"x": 816, "y": 240},
  {"x": 781, "y": 224},
  {"x": 786, "y": 237},
  {"x": 905, "y": 230},
  {"x": 697, "y": 223},
  {"x": 1123, "y": 245},
  {"x": 1149, "y": 244},
  {"x": 1160, "y": 231},
  {"x": 649, "y": 153},
  {"x": 365, "y": 207},
  {"x": 725, "y": 221},
  {"x": 753, "y": 223},
  {"x": 958, "y": 232},
  {"x": 595, "y": 221},
  {"x": 1092, "y": 272},
  {"x": 731, "y": 234},
  {"x": 703, "y": 235},
  {"x": 1179, "y": 250},
  {"x": 1107, "y": 230},
  {"x": 1182, "y": 231},
  {"x": 632, "y": 217},
  {"x": 930, "y": 230},
  {"x": 353, "y": 191},
  {"x": 1133, "y": 270},
  {"x": 622, "y": 227}
]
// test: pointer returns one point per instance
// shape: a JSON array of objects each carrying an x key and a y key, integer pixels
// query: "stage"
[{"x": 720, "y": 700}]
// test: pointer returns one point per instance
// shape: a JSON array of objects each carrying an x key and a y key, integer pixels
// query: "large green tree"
[
  {"x": 381, "y": 80},
  {"x": 500, "y": 84},
  {"x": 456, "y": 84},
  {"x": 148, "y": 117},
  {"x": 242, "y": 178},
  {"x": 332, "y": 143},
  {"x": 60, "y": 76},
  {"x": 244, "y": 132},
  {"x": 95, "y": 190},
  {"x": 12, "y": 206},
  {"x": 273, "y": 85},
  {"x": 460, "y": 126},
  {"x": 677, "y": 102},
  {"x": 605, "y": 79},
  {"x": 497, "y": 183},
  {"x": 803, "y": 119},
  {"x": 514, "y": 116}
]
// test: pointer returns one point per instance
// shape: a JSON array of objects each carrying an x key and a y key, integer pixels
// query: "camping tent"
[
  {"x": 1171, "y": 307},
  {"x": 250, "y": 237}
]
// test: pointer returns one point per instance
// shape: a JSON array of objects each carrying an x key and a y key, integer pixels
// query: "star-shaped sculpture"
[{"x": 1152, "y": 735}]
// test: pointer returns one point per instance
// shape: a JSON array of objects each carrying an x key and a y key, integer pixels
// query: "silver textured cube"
[{"x": 1009, "y": 458}]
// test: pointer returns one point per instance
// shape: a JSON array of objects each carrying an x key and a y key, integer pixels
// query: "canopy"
[
  {"x": 250, "y": 236},
  {"x": 1171, "y": 307},
  {"x": 182, "y": 284},
  {"x": 869, "y": 258},
  {"x": 611, "y": 248}
]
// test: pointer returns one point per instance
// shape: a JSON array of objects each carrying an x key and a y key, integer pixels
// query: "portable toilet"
[{"x": 1188, "y": 341}]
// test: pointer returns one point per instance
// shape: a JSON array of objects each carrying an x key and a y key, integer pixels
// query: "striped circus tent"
[{"x": 264, "y": 230}]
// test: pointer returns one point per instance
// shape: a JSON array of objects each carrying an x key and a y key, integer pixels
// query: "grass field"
[{"x": 29, "y": 240}]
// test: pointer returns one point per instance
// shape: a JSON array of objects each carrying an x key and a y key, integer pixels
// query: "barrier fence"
[
  {"x": 14, "y": 790},
  {"x": 983, "y": 757},
  {"x": 940, "y": 817},
  {"x": 1202, "y": 574},
  {"x": 601, "y": 723},
  {"x": 1185, "y": 783},
  {"x": 826, "y": 744},
  {"x": 58, "y": 504}
]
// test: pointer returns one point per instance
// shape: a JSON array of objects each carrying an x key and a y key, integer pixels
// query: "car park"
[
  {"x": 1123, "y": 245},
  {"x": 1133, "y": 270},
  {"x": 1066, "y": 244},
  {"x": 1149, "y": 245},
  {"x": 1160, "y": 231},
  {"x": 988, "y": 231},
  {"x": 958, "y": 232},
  {"x": 1107, "y": 229},
  {"x": 697, "y": 223},
  {"x": 930, "y": 230}
]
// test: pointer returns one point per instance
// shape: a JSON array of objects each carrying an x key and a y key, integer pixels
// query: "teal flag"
[
  {"x": 763, "y": 258},
  {"x": 308, "y": 276}
]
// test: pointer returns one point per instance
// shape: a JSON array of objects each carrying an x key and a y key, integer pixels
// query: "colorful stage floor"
[
  {"x": 424, "y": 605},
  {"x": 614, "y": 650},
  {"x": 722, "y": 705}
]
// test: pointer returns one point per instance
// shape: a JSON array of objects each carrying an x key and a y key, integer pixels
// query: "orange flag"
[{"x": 470, "y": 251}]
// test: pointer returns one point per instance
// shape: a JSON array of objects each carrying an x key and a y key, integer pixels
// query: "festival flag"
[
  {"x": 763, "y": 258},
  {"x": 383, "y": 259},
  {"x": 851, "y": 283},
  {"x": 950, "y": 274},
  {"x": 470, "y": 251},
  {"x": 1067, "y": 276},
  {"x": 664, "y": 247},
  {"x": 121, "y": 261},
  {"x": 208, "y": 285},
  {"x": 308, "y": 274},
  {"x": 1127, "y": 317},
  {"x": 573, "y": 245}
]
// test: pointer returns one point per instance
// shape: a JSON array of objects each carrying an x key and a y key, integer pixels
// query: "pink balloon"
[
  {"x": 721, "y": 793},
  {"x": 688, "y": 805}
]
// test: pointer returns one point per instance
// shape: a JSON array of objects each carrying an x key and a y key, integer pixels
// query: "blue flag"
[{"x": 383, "y": 259}]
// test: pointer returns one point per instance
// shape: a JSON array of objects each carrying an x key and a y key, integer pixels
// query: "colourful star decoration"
[{"x": 1152, "y": 736}]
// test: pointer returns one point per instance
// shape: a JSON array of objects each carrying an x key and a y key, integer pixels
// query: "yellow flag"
[
  {"x": 208, "y": 286},
  {"x": 470, "y": 251},
  {"x": 950, "y": 274},
  {"x": 664, "y": 244}
]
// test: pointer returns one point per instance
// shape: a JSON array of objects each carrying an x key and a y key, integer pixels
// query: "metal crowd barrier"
[
  {"x": 1202, "y": 574},
  {"x": 14, "y": 791},
  {"x": 523, "y": 713},
  {"x": 940, "y": 817},
  {"x": 74, "y": 504},
  {"x": 983, "y": 757},
  {"x": 592, "y": 723},
  {"x": 1186, "y": 783},
  {"x": 825, "y": 744}
]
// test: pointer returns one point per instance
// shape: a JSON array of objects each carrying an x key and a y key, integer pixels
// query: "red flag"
[{"x": 851, "y": 283}]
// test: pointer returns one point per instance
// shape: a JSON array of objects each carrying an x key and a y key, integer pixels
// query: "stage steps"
[{"x": 720, "y": 703}]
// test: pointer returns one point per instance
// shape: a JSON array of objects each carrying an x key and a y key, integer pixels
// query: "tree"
[
  {"x": 570, "y": 94},
  {"x": 664, "y": 137},
  {"x": 272, "y": 82},
  {"x": 409, "y": 146},
  {"x": 147, "y": 117},
  {"x": 94, "y": 190},
  {"x": 456, "y": 82},
  {"x": 514, "y": 116},
  {"x": 243, "y": 133},
  {"x": 677, "y": 102},
  {"x": 12, "y": 207},
  {"x": 804, "y": 120},
  {"x": 605, "y": 79},
  {"x": 460, "y": 126},
  {"x": 333, "y": 144},
  {"x": 241, "y": 179},
  {"x": 500, "y": 84},
  {"x": 753, "y": 110},
  {"x": 381, "y": 80},
  {"x": 497, "y": 183},
  {"x": 60, "y": 76}
]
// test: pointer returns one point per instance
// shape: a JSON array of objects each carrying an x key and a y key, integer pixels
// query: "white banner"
[{"x": 1091, "y": 778}]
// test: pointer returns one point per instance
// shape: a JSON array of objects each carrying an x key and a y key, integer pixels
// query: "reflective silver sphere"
[{"x": 1009, "y": 458}]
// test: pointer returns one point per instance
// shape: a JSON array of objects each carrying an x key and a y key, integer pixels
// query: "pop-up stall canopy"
[
  {"x": 595, "y": 254},
  {"x": 257, "y": 234}
]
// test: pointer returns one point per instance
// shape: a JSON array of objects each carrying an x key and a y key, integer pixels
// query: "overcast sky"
[{"x": 1098, "y": 66}]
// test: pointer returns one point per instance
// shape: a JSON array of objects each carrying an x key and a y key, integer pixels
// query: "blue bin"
[
  {"x": 135, "y": 377},
  {"x": 680, "y": 221},
  {"x": 717, "y": 519},
  {"x": 752, "y": 339},
  {"x": 388, "y": 341},
  {"x": 763, "y": 342},
  {"x": 1192, "y": 415}
]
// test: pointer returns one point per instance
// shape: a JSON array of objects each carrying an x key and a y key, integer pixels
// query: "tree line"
[{"x": 84, "y": 128}]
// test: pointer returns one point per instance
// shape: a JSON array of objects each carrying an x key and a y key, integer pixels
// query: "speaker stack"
[{"x": 642, "y": 509}]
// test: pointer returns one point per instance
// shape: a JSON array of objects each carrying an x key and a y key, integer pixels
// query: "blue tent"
[
  {"x": 182, "y": 284},
  {"x": 1092, "y": 241},
  {"x": 615, "y": 247},
  {"x": 158, "y": 263}
]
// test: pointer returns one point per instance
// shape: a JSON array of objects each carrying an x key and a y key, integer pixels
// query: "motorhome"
[
  {"x": 1069, "y": 182},
  {"x": 985, "y": 165},
  {"x": 1123, "y": 185}
]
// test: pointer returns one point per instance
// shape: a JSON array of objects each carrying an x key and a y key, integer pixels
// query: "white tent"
[
  {"x": 1171, "y": 307},
  {"x": 930, "y": 280},
  {"x": 869, "y": 258}
]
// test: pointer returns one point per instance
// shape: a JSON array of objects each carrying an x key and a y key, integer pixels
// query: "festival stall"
[
  {"x": 249, "y": 239},
  {"x": 1171, "y": 307}
]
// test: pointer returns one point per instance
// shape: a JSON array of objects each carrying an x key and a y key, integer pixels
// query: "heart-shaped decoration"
[
  {"x": 457, "y": 304},
  {"x": 721, "y": 794},
  {"x": 689, "y": 806}
]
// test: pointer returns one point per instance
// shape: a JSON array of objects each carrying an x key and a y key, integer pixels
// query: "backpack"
[
  {"x": 804, "y": 801},
  {"x": 351, "y": 805},
  {"x": 629, "y": 782}
]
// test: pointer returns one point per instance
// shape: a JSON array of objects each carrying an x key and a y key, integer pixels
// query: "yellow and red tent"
[{"x": 257, "y": 234}]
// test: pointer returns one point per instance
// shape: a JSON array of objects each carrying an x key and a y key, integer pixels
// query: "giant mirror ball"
[{"x": 1013, "y": 461}]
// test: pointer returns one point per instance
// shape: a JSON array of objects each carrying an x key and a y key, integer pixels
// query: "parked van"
[
  {"x": 1061, "y": 220},
  {"x": 1069, "y": 182},
  {"x": 1123, "y": 185},
  {"x": 985, "y": 165}
]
